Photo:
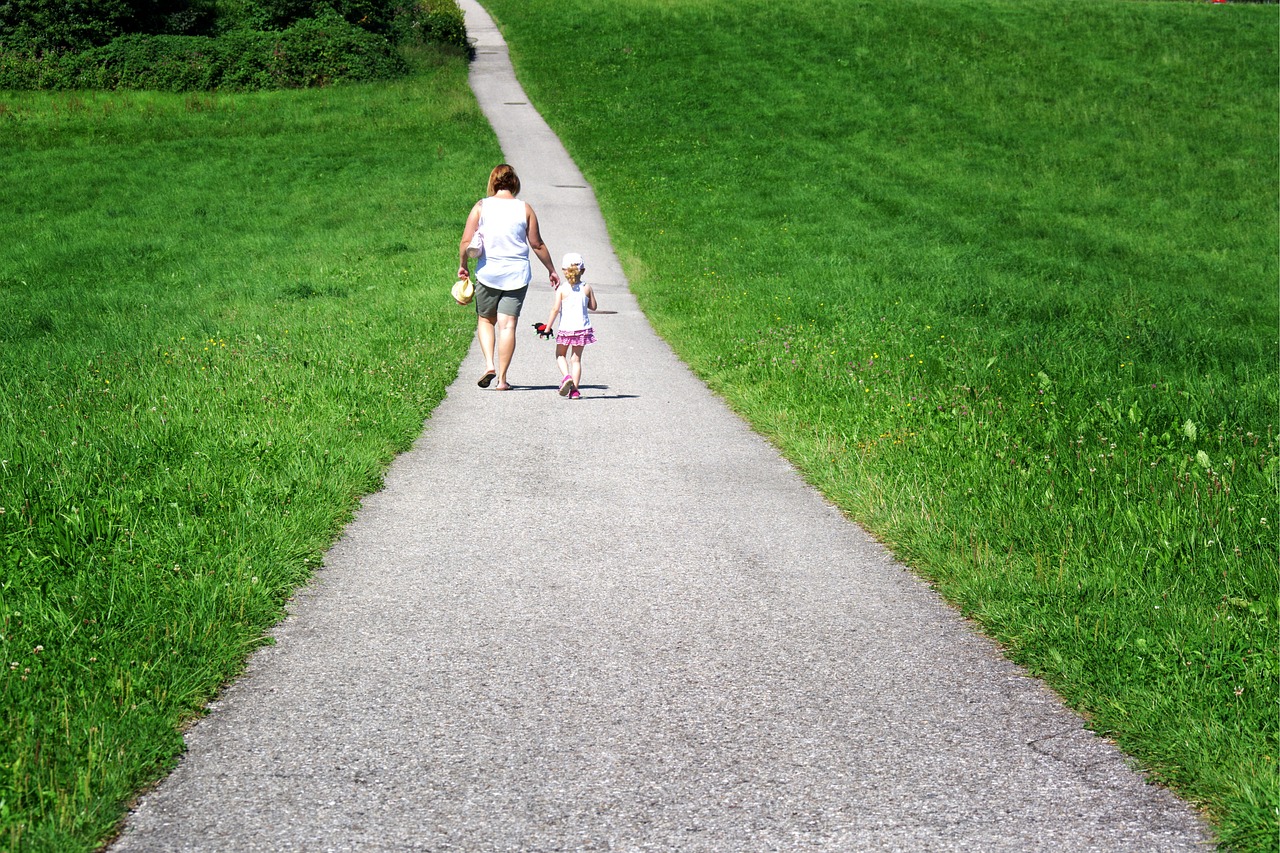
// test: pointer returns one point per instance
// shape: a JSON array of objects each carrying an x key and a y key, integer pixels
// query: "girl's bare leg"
[
  {"x": 561, "y": 361},
  {"x": 575, "y": 365}
]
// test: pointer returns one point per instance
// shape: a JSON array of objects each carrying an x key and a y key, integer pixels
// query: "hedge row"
[
  {"x": 309, "y": 52},
  {"x": 41, "y": 26}
]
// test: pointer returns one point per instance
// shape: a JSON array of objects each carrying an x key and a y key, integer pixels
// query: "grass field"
[
  {"x": 1001, "y": 279},
  {"x": 220, "y": 317}
]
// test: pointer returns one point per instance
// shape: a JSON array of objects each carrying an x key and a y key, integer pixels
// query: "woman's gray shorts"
[{"x": 490, "y": 303}]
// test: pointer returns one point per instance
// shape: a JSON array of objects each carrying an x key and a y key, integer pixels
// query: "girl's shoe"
[
  {"x": 566, "y": 385},
  {"x": 574, "y": 394}
]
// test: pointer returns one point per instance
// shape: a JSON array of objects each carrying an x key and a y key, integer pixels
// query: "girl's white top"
[
  {"x": 504, "y": 227},
  {"x": 574, "y": 316}
]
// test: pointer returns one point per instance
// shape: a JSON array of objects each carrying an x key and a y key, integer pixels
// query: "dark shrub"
[
  {"x": 46, "y": 25},
  {"x": 167, "y": 63},
  {"x": 408, "y": 21},
  {"x": 173, "y": 17},
  {"x": 253, "y": 50},
  {"x": 310, "y": 53},
  {"x": 241, "y": 15},
  {"x": 74, "y": 25},
  {"x": 372, "y": 15},
  {"x": 425, "y": 22},
  {"x": 315, "y": 52},
  {"x": 20, "y": 70}
]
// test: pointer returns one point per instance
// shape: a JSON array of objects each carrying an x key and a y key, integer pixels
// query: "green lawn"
[
  {"x": 220, "y": 317},
  {"x": 1001, "y": 278}
]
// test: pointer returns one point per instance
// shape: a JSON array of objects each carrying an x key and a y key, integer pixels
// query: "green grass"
[
  {"x": 1001, "y": 279},
  {"x": 220, "y": 317}
]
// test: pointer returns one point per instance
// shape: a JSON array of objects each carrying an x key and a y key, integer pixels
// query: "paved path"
[{"x": 684, "y": 649}]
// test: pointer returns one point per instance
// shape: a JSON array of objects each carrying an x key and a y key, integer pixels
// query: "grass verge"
[
  {"x": 220, "y": 317},
  {"x": 1000, "y": 278}
]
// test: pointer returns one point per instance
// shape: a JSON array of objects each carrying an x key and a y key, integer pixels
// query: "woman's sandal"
[{"x": 488, "y": 377}]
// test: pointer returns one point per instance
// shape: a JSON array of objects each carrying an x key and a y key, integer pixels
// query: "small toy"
[{"x": 544, "y": 331}]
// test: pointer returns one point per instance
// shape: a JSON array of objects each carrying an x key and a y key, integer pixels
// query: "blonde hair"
[
  {"x": 573, "y": 274},
  {"x": 503, "y": 177}
]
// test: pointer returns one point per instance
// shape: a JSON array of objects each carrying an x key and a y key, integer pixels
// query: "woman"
[{"x": 508, "y": 229}]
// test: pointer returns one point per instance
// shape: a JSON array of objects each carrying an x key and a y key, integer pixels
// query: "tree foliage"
[{"x": 74, "y": 25}]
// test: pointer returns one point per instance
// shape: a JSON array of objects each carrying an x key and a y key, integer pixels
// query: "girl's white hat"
[{"x": 573, "y": 259}]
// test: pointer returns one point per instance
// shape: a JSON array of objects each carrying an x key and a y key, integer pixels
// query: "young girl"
[{"x": 571, "y": 303}]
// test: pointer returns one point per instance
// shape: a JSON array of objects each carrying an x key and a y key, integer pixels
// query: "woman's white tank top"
[{"x": 504, "y": 228}]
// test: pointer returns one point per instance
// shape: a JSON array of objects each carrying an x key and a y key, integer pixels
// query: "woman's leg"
[
  {"x": 506, "y": 346},
  {"x": 485, "y": 332}
]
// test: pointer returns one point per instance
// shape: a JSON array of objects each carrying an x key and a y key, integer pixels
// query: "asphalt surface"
[{"x": 625, "y": 623}]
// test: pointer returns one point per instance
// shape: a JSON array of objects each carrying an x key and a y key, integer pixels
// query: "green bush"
[
  {"x": 259, "y": 44},
  {"x": 59, "y": 25},
  {"x": 427, "y": 22},
  {"x": 372, "y": 15},
  {"x": 167, "y": 63},
  {"x": 310, "y": 53},
  {"x": 173, "y": 17},
  {"x": 42, "y": 26},
  {"x": 404, "y": 21},
  {"x": 22, "y": 70},
  {"x": 76, "y": 25},
  {"x": 316, "y": 52}
]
